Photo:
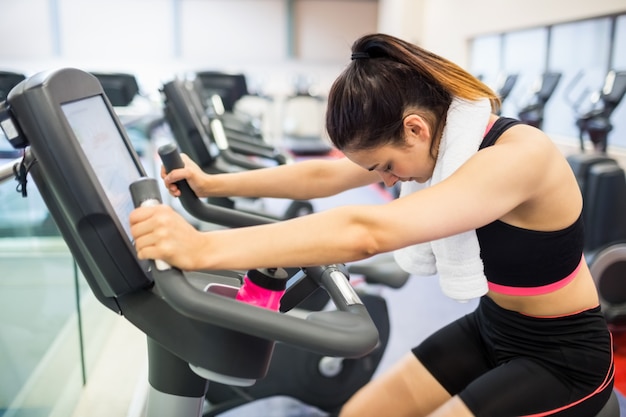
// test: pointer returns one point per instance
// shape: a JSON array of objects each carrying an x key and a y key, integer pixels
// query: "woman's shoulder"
[
  {"x": 523, "y": 135},
  {"x": 523, "y": 155}
]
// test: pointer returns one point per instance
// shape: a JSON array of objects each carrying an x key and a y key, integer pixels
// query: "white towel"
[{"x": 456, "y": 258}]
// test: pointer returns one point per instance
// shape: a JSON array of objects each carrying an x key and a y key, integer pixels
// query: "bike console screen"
[{"x": 106, "y": 151}]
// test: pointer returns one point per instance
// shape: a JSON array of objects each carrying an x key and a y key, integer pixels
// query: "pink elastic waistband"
[{"x": 544, "y": 289}]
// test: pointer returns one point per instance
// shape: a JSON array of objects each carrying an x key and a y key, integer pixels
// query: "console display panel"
[{"x": 106, "y": 151}]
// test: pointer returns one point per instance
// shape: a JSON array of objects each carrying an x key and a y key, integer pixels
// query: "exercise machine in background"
[
  {"x": 603, "y": 185},
  {"x": 231, "y": 88},
  {"x": 242, "y": 137},
  {"x": 120, "y": 88},
  {"x": 140, "y": 115},
  {"x": 303, "y": 121},
  {"x": 533, "y": 112},
  {"x": 594, "y": 121},
  {"x": 505, "y": 86},
  {"x": 206, "y": 143},
  {"x": 8, "y": 80},
  {"x": 301, "y": 114}
]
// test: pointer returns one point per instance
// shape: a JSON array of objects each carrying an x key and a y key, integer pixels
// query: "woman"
[{"x": 537, "y": 343}]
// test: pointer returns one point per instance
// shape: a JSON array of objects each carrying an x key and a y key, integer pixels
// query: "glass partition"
[
  {"x": 51, "y": 326},
  {"x": 583, "y": 52},
  {"x": 486, "y": 59}
]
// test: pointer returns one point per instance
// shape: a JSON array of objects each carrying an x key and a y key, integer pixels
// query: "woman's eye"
[{"x": 388, "y": 168}]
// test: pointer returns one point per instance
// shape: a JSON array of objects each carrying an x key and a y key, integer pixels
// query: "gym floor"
[{"x": 416, "y": 310}]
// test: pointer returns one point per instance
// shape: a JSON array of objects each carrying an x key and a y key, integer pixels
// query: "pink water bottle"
[{"x": 263, "y": 287}]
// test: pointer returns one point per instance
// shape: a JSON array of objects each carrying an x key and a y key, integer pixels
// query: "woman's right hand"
[{"x": 196, "y": 178}]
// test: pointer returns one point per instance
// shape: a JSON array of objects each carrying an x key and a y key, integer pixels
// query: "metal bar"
[{"x": 6, "y": 170}]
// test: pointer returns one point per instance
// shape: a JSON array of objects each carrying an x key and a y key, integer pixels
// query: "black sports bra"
[{"x": 520, "y": 261}]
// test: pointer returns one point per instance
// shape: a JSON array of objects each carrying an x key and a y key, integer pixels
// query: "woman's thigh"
[
  {"x": 428, "y": 377},
  {"x": 407, "y": 389}
]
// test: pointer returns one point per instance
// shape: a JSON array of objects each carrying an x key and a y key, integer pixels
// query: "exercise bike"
[
  {"x": 504, "y": 88},
  {"x": 83, "y": 164}
]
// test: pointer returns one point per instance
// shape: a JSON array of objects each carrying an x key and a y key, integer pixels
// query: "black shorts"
[{"x": 502, "y": 363}]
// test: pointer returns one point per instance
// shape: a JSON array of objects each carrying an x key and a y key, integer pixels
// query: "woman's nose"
[{"x": 389, "y": 179}]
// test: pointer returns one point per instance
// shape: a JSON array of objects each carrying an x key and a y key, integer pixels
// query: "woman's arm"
[
  {"x": 523, "y": 179},
  {"x": 298, "y": 181}
]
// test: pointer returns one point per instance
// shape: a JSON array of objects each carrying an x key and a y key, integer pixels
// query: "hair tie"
[{"x": 360, "y": 55}]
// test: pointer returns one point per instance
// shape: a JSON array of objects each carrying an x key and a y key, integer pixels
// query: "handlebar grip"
[
  {"x": 213, "y": 214},
  {"x": 172, "y": 160},
  {"x": 170, "y": 157},
  {"x": 145, "y": 192}
]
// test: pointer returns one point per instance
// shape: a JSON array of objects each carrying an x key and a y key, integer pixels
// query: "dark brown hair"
[{"x": 386, "y": 78}]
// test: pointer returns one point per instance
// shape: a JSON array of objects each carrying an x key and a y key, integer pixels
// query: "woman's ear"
[{"x": 415, "y": 127}]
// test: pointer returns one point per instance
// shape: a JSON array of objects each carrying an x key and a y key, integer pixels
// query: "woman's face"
[{"x": 410, "y": 160}]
